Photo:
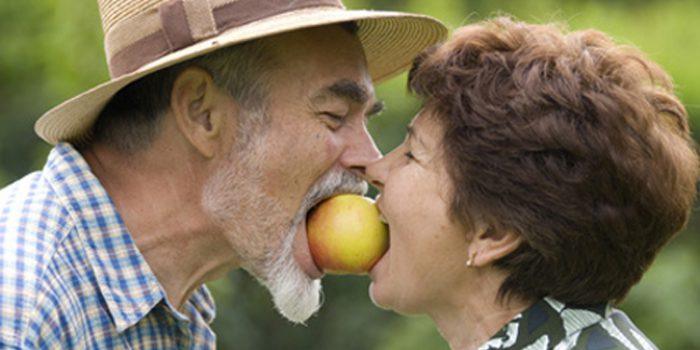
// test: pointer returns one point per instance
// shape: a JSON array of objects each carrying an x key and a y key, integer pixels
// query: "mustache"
[{"x": 333, "y": 183}]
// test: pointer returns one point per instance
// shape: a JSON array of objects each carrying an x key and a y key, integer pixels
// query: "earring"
[{"x": 470, "y": 262}]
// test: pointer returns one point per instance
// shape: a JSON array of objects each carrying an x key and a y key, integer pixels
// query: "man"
[{"x": 224, "y": 123}]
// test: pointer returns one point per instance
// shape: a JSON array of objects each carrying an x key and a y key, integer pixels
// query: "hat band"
[{"x": 176, "y": 24}]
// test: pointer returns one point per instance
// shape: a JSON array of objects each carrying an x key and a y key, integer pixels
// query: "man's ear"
[
  {"x": 490, "y": 244},
  {"x": 199, "y": 109}
]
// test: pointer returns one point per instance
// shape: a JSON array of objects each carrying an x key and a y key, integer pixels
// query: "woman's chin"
[
  {"x": 383, "y": 298},
  {"x": 378, "y": 292},
  {"x": 377, "y": 297}
]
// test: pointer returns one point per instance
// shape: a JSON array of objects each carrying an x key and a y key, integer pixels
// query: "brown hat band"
[{"x": 176, "y": 24}]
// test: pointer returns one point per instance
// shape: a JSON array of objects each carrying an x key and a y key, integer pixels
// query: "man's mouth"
[
  {"x": 302, "y": 252},
  {"x": 332, "y": 184}
]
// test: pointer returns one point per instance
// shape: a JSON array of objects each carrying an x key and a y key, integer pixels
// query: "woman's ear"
[
  {"x": 199, "y": 109},
  {"x": 490, "y": 244}
]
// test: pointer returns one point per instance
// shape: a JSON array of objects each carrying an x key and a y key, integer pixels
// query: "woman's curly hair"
[{"x": 576, "y": 143}]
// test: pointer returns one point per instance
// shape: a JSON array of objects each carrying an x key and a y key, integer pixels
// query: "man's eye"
[
  {"x": 332, "y": 116},
  {"x": 409, "y": 155},
  {"x": 334, "y": 120}
]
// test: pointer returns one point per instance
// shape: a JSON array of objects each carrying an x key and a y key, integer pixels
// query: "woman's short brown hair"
[{"x": 574, "y": 142}]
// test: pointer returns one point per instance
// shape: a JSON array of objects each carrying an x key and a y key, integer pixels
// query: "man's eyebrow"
[
  {"x": 350, "y": 90},
  {"x": 347, "y": 89}
]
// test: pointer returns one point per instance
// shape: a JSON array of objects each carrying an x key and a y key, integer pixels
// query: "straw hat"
[{"x": 144, "y": 36}]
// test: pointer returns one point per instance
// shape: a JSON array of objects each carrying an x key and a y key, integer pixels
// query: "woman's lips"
[
  {"x": 302, "y": 254},
  {"x": 384, "y": 259},
  {"x": 379, "y": 266}
]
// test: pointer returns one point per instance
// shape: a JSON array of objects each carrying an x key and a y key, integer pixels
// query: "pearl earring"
[{"x": 470, "y": 262}]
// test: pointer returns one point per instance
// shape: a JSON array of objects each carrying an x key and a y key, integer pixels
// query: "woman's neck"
[{"x": 471, "y": 314}]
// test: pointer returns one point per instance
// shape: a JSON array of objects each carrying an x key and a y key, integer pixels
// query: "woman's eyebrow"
[{"x": 412, "y": 134}]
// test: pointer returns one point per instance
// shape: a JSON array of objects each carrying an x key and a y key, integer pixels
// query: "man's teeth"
[{"x": 382, "y": 218}]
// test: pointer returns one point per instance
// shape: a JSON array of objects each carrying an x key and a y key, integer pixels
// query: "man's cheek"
[{"x": 333, "y": 148}]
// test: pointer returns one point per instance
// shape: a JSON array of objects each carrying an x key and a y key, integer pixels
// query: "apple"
[{"x": 346, "y": 235}]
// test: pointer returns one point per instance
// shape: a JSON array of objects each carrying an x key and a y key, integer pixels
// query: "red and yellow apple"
[{"x": 346, "y": 235}]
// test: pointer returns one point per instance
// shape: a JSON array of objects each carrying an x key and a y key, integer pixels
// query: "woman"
[{"x": 535, "y": 187}]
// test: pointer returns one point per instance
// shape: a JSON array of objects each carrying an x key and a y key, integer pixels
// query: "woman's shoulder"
[
  {"x": 549, "y": 324},
  {"x": 614, "y": 331}
]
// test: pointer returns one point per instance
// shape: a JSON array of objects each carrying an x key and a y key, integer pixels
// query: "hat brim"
[{"x": 390, "y": 39}]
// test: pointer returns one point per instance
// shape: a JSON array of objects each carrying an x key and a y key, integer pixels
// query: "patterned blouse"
[{"x": 549, "y": 324}]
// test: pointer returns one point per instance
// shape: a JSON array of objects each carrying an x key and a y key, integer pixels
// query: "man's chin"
[{"x": 296, "y": 296}]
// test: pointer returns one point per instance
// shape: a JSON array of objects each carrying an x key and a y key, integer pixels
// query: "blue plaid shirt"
[{"x": 71, "y": 276}]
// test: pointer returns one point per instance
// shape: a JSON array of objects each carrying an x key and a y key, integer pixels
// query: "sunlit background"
[{"x": 51, "y": 50}]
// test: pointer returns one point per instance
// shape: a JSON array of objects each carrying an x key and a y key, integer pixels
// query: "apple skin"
[{"x": 346, "y": 236}]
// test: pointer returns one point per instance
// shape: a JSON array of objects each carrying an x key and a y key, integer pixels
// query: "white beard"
[{"x": 295, "y": 295}]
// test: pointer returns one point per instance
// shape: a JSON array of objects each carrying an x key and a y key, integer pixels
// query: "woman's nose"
[{"x": 375, "y": 173}]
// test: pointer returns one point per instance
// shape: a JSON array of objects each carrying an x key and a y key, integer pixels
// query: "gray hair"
[{"x": 131, "y": 119}]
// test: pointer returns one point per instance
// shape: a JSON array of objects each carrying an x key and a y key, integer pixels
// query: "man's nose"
[{"x": 360, "y": 152}]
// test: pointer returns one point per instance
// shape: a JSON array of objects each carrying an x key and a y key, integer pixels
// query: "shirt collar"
[
  {"x": 203, "y": 302},
  {"x": 546, "y": 317},
  {"x": 125, "y": 280},
  {"x": 200, "y": 304}
]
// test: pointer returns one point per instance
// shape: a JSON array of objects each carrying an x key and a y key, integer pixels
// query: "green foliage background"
[{"x": 51, "y": 50}]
